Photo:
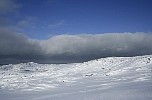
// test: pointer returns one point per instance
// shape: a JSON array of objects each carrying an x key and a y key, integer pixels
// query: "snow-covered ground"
[{"x": 113, "y": 78}]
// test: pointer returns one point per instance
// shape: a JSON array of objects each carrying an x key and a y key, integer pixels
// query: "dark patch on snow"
[{"x": 89, "y": 75}]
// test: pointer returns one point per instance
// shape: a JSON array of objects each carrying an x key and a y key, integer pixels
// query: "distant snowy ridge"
[{"x": 39, "y": 77}]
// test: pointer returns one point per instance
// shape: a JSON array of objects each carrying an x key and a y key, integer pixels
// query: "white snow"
[{"x": 113, "y": 78}]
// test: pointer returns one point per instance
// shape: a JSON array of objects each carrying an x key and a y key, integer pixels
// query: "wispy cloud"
[
  {"x": 28, "y": 22},
  {"x": 7, "y": 6},
  {"x": 4, "y": 21},
  {"x": 49, "y": 2},
  {"x": 60, "y": 23}
]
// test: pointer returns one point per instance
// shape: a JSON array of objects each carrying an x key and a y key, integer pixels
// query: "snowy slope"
[{"x": 114, "y": 78}]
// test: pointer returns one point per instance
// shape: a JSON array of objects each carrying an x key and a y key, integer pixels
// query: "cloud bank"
[
  {"x": 72, "y": 48},
  {"x": 110, "y": 44}
]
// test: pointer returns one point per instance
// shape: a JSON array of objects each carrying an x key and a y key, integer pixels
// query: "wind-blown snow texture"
[{"x": 114, "y": 78}]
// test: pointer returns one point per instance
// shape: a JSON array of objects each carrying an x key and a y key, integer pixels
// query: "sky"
[{"x": 58, "y": 31}]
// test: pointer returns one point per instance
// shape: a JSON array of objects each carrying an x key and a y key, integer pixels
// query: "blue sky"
[
  {"x": 63, "y": 31},
  {"x": 41, "y": 19}
]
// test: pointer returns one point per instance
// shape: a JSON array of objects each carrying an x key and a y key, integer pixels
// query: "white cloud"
[{"x": 110, "y": 44}]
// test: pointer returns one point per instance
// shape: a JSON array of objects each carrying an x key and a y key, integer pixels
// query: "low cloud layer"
[
  {"x": 72, "y": 48},
  {"x": 110, "y": 44}
]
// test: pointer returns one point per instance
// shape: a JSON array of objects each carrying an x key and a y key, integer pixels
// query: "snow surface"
[{"x": 113, "y": 78}]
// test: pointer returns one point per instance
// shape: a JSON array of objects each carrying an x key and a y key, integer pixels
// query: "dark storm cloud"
[
  {"x": 12, "y": 43},
  {"x": 72, "y": 48}
]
